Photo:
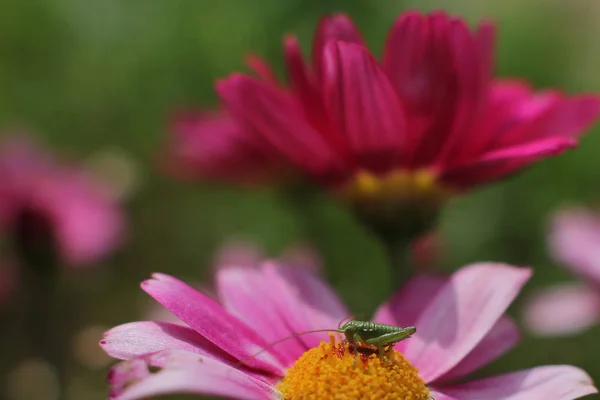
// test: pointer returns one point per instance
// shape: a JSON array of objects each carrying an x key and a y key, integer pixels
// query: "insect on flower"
[{"x": 364, "y": 337}]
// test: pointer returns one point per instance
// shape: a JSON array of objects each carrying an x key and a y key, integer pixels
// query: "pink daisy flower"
[
  {"x": 570, "y": 308},
  {"x": 41, "y": 200},
  {"x": 426, "y": 121},
  {"x": 460, "y": 323}
]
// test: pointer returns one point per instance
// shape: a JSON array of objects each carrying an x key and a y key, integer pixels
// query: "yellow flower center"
[
  {"x": 410, "y": 199},
  {"x": 397, "y": 187},
  {"x": 334, "y": 371}
]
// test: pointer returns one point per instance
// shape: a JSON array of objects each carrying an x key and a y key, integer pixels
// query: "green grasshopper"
[{"x": 380, "y": 336}]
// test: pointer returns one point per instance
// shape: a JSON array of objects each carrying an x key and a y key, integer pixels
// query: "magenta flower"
[
  {"x": 570, "y": 308},
  {"x": 428, "y": 119},
  {"x": 40, "y": 197},
  {"x": 460, "y": 323}
]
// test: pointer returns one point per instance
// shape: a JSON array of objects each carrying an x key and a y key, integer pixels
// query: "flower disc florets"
[{"x": 335, "y": 370}]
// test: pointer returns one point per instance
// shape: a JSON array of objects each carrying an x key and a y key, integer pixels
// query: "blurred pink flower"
[
  {"x": 569, "y": 308},
  {"x": 429, "y": 116},
  {"x": 460, "y": 323},
  {"x": 36, "y": 190}
]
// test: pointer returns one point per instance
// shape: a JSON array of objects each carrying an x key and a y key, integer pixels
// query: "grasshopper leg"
[{"x": 356, "y": 338}]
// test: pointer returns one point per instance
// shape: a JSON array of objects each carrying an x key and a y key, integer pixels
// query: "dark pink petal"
[
  {"x": 362, "y": 105},
  {"x": 563, "y": 310},
  {"x": 216, "y": 146},
  {"x": 278, "y": 122},
  {"x": 405, "y": 45},
  {"x": 419, "y": 61},
  {"x": 560, "y": 382},
  {"x": 472, "y": 79},
  {"x": 304, "y": 84},
  {"x": 500, "y": 163},
  {"x": 246, "y": 294},
  {"x": 509, "y": 102},
  {"x": 332, "y": 27},
  {"x": 461, "y": 315},
  {"x": 209, "y": 319},
  {"x": 573, "y": 239},
  {"x": 137, "y": 339},
  {"x": 516, "y": 117},
  {"x": 186, "y": 373},
  {"x": 573, "y": 117},
  {"x": 485, "y": 40},
  {"x": 501, "y": 338},
  {"x": 542, "y": 147},
  {"x": 567, "y": 118},
  {"x": 261, "y": 68}
]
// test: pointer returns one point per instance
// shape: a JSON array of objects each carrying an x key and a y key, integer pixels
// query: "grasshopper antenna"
[{"x": 273, "y": 344}]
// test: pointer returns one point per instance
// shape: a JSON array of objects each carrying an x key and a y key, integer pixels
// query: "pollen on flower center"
[{"x": 332, "y": 370}]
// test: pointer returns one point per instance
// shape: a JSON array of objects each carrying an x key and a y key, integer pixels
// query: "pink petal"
[
  {"x": 461, "y": 315},
  {"x": 209, "y": 319},
  {"x": 304, "y": 301},
  {"x": 573, "y": 239},
  {"x": 501, "y": 338},
  {"x": 247, "y": 294},
  {"x": 436, "y": 395},
  {"x": 560, "y": 382},
  {"x": 332, "y": 27},
  {"x": 188, "y": 374},
  {"x": 405, "y": 306},
  {"x": 277, "y": 122},
  {"x": 566, "y": 309},
  {"x": 137, "y": 339},
  {"x": 362, "y": 105}
]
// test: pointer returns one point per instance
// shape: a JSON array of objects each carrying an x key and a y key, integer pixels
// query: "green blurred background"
[{"x": 104, "y": 76}]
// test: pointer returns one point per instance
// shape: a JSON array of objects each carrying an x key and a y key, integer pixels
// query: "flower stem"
[{"x": 400, "y": 263}]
